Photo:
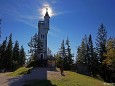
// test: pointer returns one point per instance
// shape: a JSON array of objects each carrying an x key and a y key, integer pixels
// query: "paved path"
[{"x": 37, "y": 73}]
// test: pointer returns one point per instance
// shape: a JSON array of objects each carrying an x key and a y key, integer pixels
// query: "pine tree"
[
  {"x": 86, "y": 54},
  {"x": 8, "y": 59},
  {"x": 82, "y": 52},
  {"x": 59, "y": 60},
  {"x": 65, "y": 57},
  {"x": 15, "y": 57},
  {"x": 78, "y": 56},
  {"x": 36, "y": 46},
  {"x": 16, "y": 51},
  {"x": 68, "y": 59},
  {"x": 22, "y": 57},
  {"x": 101, "y": 42},
  {"x": 101, "y": 50},
  {"x": 3, "y": 54},
  {"x": 62, "y": 50},
  {"x": 90, "y": 50},
  {"x": 91, "y": 57}
]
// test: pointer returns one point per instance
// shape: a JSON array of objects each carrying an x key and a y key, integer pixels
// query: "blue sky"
[{"x": 72, "y": 18}]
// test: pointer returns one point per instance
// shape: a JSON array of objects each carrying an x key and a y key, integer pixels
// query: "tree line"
[
  {"x": 99, "y": 58},
  {"x": 11, "y": 56}
]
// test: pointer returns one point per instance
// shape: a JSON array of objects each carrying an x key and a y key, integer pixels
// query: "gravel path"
[
  {"x": 37, "y": 73},
  {"x": 4, "y": 79}
]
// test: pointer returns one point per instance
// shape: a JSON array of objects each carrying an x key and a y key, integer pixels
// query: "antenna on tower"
[{"x": 46, "y": 8}]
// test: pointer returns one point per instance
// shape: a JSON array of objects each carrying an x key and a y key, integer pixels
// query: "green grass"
[
  {"x": 39, "y": 83},
  {"x": 70, "y": 79},
  {"x": 20, "y": 71}
]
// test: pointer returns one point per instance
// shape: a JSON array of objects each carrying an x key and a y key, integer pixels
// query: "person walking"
[{"x": 61, "y": 70}]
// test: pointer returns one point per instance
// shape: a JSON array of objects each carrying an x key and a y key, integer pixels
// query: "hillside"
[{"x": 54, "y": 78}]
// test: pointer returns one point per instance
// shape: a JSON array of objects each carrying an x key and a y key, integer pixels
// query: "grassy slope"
[
  {"x": 20, "y": 71},
  {"x": 73, "y": 79},
  {"x": 70, "y": 79}
]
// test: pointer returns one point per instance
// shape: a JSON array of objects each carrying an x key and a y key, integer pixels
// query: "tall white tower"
[{"x": 43, "y": 28}]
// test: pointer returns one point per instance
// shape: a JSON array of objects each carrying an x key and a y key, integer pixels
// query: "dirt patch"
[
  {"x": 51, "y": 75},
  {"x": 4, "y": 79}
]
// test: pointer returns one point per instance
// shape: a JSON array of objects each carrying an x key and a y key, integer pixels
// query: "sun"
[
  {"x": 43, "y": 11},
  {"x": 50, "y": 12}
]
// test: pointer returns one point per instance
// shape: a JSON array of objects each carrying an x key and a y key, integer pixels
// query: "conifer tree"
[
  {"x": 78, "y": 56},
  {"x": 82, "y": 52},
  {"x": 35, "y": 44},
  {"x": 62, "y": 50},
  {"x": 3, "y": 54},
  {"x": 22, "y": 57},
  {"x": 9, "y": 54},
  {"x": 101, "y": 42},
  {"x": 68, "y": 59},
  {"x": 90, "y": 50},
  {"x": 101, "y": 50},
  {"x": 59, "y": 60},
  {"x": 65, "y": 58},
  {"x": 91, "y": 56},
  {"x": 15, "y": 57}
]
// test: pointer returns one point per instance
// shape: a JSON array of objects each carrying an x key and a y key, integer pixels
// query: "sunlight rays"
[{"x": 42, "y": 10}]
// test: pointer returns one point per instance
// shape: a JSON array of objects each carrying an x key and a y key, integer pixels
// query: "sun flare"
[{"x": 48, "y": 8}]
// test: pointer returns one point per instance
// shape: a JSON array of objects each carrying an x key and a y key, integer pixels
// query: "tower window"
[
  {"x": 42, "y": 36},
  {"x": 41, "y": 56}
]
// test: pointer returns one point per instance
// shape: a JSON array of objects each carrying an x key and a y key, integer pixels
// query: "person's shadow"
[{"x": 39, "y": 75}]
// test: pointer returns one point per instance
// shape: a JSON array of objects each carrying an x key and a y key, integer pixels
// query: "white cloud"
[
  {"x": 29, "y": 17},
  {"x": 53, "y": 1},
  {"x": 27, "y": 22}
]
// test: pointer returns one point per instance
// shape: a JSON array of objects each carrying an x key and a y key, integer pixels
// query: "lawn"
[{"x": 70, "y": 79}]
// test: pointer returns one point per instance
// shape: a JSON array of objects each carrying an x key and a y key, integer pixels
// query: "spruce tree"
[
  {"x": 101, "y": 50},
  {"x": 62, "y": 50},
  {"x": 78, "y": 56},
  {"x": 9, "y": 54},
  {"x": 69, "y": 60},
  {"x": 15, "y": 58},
  {"x": 3, "y": 54},
  {"x": 36, "y": 46},
  {"x": 59, "y": 60},
  {"x": 22, "y": 56},
  {"x": 101, "y": 42},
  {"x": 91, "y": 56},
  {"x": 90, "y": 50},
  {"x": 65, "y": 57},
  {"x": 82, "y": 52},
  {"x": 62, "y": 53}
]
